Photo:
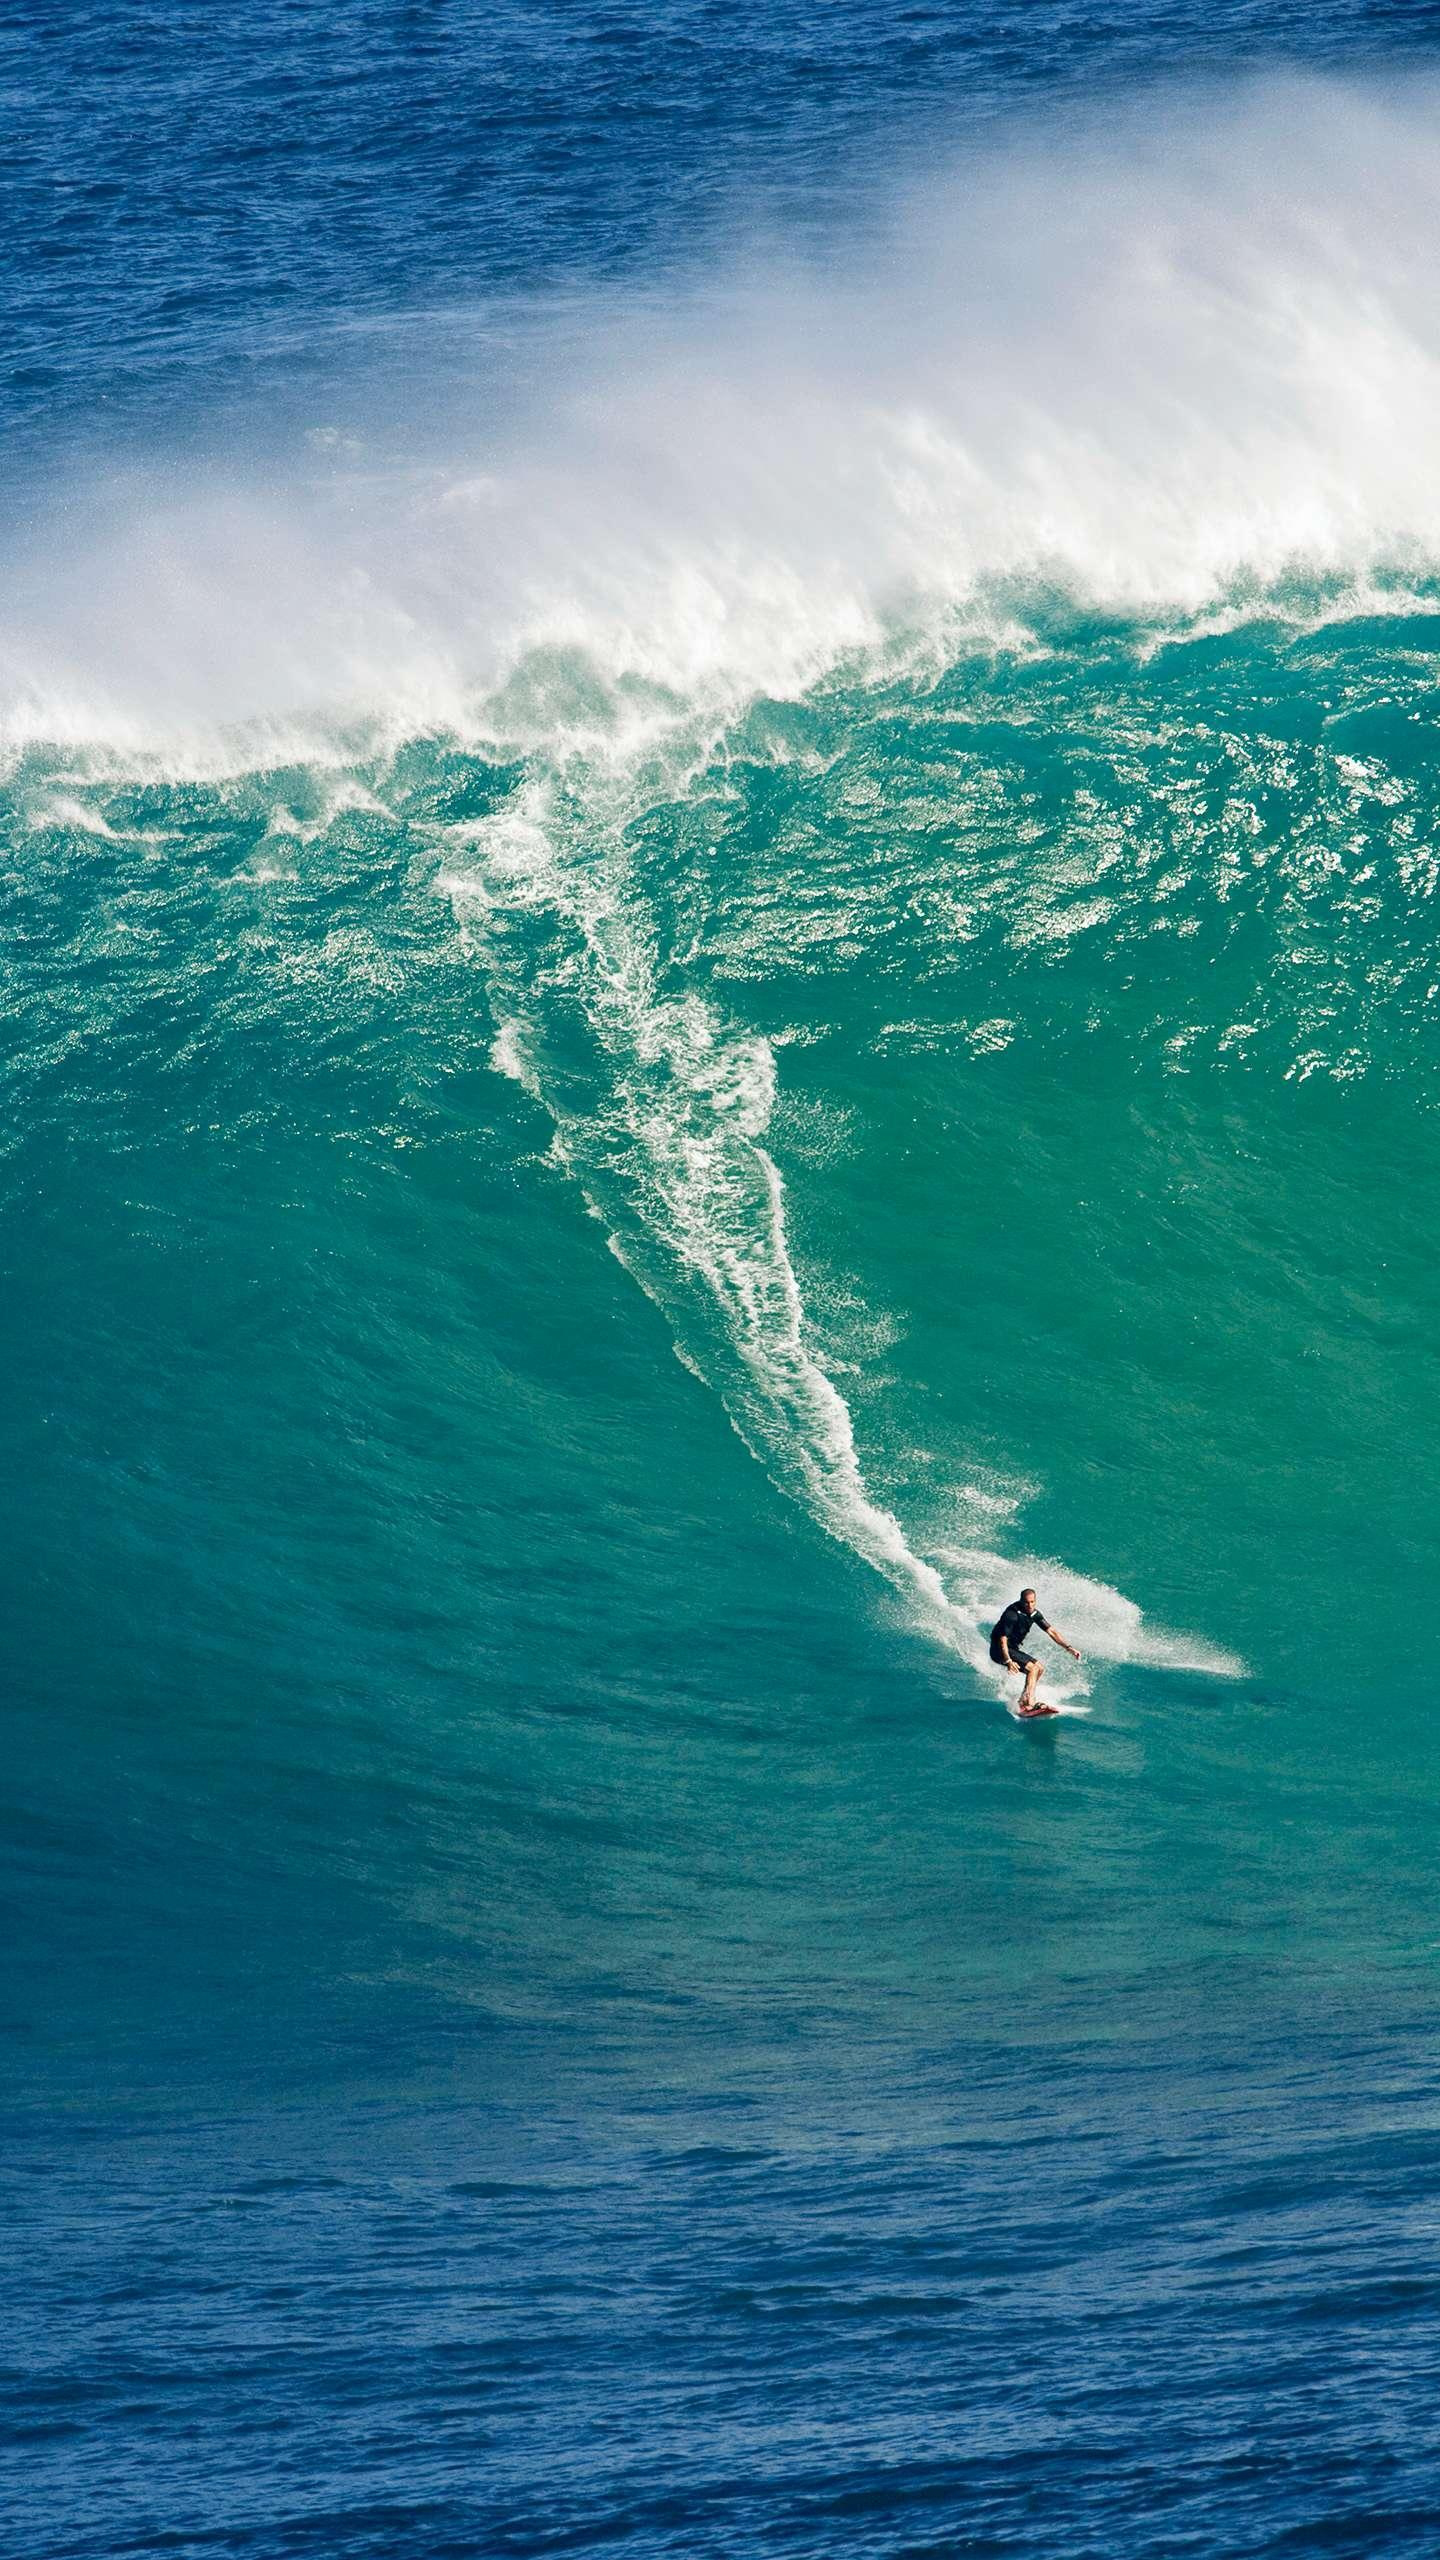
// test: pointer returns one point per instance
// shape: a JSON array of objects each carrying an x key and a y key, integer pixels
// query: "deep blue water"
[
  {"x": 1170, "y": 2307},
  {"x": 194, "y": 208},
  {"x": 719, "y": 797}
]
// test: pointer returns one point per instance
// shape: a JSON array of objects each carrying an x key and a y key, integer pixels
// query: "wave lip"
[{"x": 1182, "y": 362}]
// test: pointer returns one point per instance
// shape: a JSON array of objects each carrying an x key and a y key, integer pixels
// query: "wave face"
[
  {"x": 712, "y": 945},
  {"x": 1081, "y": 408},
  {"x": 1006, "y": 1078}
]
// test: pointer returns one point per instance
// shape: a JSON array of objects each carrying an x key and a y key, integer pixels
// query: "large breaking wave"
[{"x": 1175, "y": 369}]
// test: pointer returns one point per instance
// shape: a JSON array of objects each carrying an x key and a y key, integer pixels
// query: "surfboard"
[{"x": 1048, "y": 1707}]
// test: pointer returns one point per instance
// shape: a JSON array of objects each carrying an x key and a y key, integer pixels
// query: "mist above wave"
[{"x": 1155, "y": 363}]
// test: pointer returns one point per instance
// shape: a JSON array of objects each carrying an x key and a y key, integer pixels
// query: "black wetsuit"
[{"x": 1014, "y": 1624}]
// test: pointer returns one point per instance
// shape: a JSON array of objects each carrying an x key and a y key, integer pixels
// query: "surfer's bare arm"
[
  {"x": 1063, "y": 1641},
  {"x": 1005, "y": 1651}
]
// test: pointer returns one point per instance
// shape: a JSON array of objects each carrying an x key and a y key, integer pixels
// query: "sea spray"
[{"x": 1162, "y": 366}]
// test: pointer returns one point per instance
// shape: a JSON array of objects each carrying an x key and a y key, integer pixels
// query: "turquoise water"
[
  {"x": 703, "y": 958},
  {"x": 1006, "y": 1086}
]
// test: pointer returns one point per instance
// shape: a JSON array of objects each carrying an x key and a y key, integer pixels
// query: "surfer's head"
[{"x": 1028, "y": 1597}]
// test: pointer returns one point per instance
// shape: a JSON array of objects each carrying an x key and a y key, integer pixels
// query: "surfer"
[{"x": 1007, "y": 1647}]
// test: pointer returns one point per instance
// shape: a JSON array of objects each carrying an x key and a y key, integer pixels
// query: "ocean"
[{"x": 720, "y": 803}]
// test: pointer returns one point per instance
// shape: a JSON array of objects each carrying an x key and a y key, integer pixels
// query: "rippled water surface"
[{"x": 719, "y": 794}]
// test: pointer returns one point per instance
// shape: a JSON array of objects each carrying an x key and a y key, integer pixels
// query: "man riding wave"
[{"x": 1007, "y": 1648}]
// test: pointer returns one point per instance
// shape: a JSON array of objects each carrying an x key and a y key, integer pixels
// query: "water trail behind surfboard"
[{"x": 661, "y": 1108}]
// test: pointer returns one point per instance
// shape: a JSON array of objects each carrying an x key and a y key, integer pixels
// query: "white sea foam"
[
  {"x": 1159, "y": 365},
  {"x": 77, "y": 816},
  {"x": 339, "y": 793},
  {"x": 1102, "y": 1622}
]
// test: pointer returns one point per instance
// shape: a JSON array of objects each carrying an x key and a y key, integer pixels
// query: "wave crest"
[{"x": 1176, "y": 363}]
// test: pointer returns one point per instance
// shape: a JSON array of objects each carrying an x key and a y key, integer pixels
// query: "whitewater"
[{"x": 1162, "y": 363}]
